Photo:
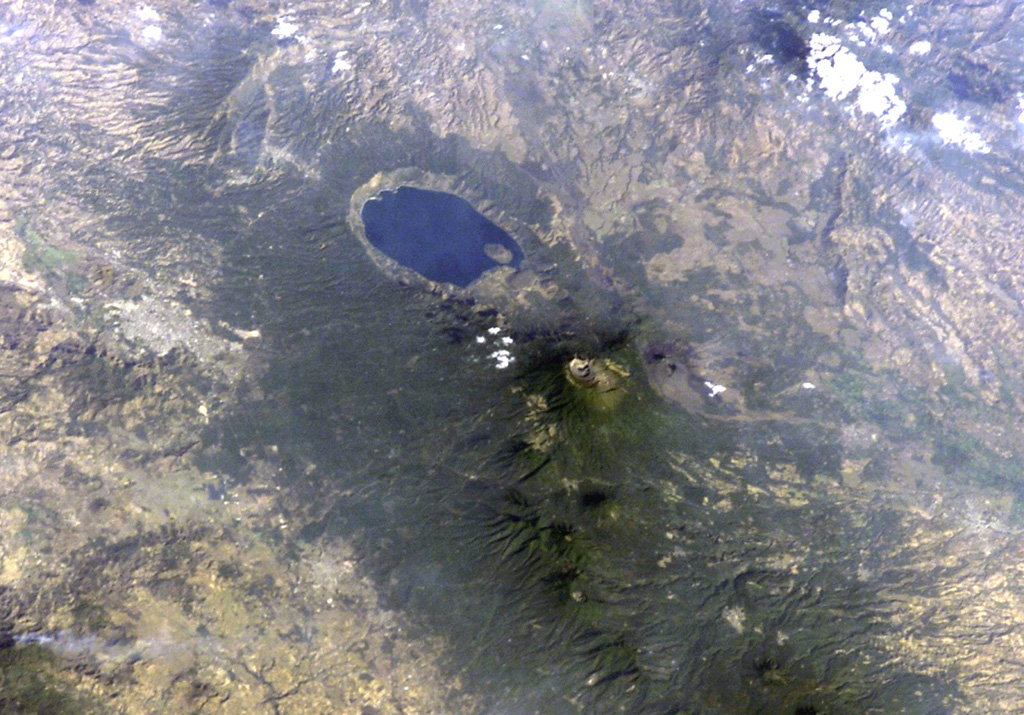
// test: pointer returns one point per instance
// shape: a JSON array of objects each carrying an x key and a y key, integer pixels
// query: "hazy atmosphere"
[{"x": 538, "y": 357}]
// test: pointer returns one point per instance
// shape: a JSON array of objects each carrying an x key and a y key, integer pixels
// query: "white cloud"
[
  {"x": 921, "y": 47},
  {"x": 147, "y": 14},
  {"x": 841, "y": 74},
  {"x": 713, "y": 389},
  {"x": 880, "y": 24},
  {"x": 878, "y": 96},
  {"x": 341, "y": 64},
  {"x": 502, "y": 358},
  {"x": 954, "y": 130},
  {"x": 284, "y": 28}
]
